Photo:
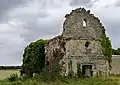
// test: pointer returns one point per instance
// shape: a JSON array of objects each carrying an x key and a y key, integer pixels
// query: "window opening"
[{"x": 84, "y": 23}]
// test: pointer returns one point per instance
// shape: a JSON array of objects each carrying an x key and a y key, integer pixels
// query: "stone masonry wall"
[
  {"x": 77, "y": 51},
  {"x": 54, "y": 52},
  {"x": 73, "y": 25},
  {"x": 71, "y": 44}
]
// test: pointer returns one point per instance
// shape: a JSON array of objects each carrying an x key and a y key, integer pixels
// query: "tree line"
[
  {"x": 116, "y": 51},
  {"x": 9, "y": 67}
]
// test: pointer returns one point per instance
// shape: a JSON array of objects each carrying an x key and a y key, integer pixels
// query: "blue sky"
[{"x": 23, "y": 21}]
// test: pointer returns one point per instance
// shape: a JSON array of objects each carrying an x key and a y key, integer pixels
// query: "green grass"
[
  {"x": 6, "y": 73},
  {"x": 89, "y": 81}
]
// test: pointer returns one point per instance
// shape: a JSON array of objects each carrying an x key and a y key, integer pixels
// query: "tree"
[{"x": 33, "y": 58}]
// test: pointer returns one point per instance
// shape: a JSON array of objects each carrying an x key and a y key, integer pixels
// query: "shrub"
[
  {"x": 33, "y": 58},
  {"x": 13, "y": 77}
]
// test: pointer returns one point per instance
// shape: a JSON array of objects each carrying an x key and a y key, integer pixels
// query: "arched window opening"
[{"x": 84, "y": 23}]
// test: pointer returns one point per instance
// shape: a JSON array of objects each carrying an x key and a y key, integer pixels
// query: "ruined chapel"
[{"x": 78, "y": 49}]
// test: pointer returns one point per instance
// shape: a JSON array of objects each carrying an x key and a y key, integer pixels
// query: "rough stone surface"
[
  {"x": 78, "y": 47},
  {"x": 73, "y": 25},
  {"x": 54, "y": 52}
]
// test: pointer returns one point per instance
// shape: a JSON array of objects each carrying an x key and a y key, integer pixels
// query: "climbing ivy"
[
  {"x": 79, "y": 70},
  {"x": 33, "y": 58},
  {"x": 70, "y": 73},
  {"x": 107, "y": 49}
]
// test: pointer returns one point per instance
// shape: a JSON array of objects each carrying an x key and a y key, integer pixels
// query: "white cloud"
[
  {"x": 102, "y": 3},
  {"x": 35, "y": 19},
  {"x": 110, "y": 18}
]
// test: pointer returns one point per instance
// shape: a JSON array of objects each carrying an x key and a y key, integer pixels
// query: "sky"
[{"x": 23, "y": 21}]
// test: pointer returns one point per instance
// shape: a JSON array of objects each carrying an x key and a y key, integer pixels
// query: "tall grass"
[{"x": 73, "y": 81}]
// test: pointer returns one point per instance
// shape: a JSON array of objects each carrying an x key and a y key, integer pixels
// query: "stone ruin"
[{"x": 78, "y": 49}]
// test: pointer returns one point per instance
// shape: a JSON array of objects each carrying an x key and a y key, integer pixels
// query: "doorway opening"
[{"x": 87, "y": 71}]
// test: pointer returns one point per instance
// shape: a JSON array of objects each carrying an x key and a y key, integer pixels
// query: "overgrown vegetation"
[
  {"x": 73, "y": 81},
  {"x": 33, "y": 58},
  {"x": 107, "y": 49},
  {"x": 13, "y": 77}
]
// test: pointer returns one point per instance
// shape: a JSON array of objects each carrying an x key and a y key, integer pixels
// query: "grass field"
[
  {"x": 88, "y": 81},
  {"x": 6, "y": 73}
]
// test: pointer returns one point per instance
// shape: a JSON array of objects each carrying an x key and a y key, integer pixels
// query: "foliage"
[
  {"x": 79, "y": 70},
  {"x": 13, "y": 77},
  {"x": 107, "y": 49},
  {"x": 116, "y": 51},
  {"x": 70, "y": 73},
  {"x": 33, "y": 58}
]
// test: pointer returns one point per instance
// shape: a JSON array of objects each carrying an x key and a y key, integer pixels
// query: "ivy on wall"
[
  {"x": 107, "y": 49},
  {"x": 70, "y": 73}
]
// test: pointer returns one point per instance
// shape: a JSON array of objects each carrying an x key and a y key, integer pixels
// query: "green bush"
[
  {"x": 13, "y": 77},
  {"x": 33, "y": 58}
]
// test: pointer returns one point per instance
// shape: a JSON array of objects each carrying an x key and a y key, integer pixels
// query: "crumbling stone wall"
[
  {"x": 78, "y": 44},
  {"x": 54, "y": 52},
  {"x": 73, "y": 25}
]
